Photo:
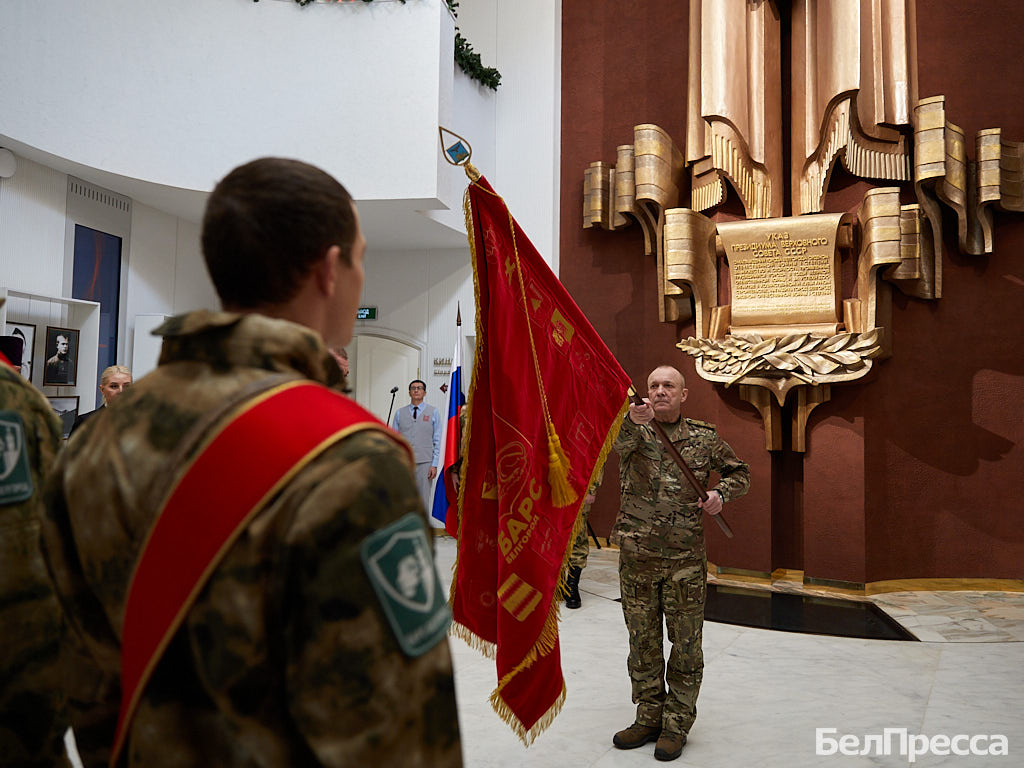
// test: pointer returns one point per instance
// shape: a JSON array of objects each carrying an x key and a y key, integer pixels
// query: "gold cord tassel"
[{"x": 562, "y": 494}]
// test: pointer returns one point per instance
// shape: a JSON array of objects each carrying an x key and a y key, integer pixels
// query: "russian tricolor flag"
[{"x": 445, "y": 494}]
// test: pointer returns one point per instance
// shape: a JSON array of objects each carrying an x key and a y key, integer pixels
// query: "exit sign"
[{"x": 366, "y": 313}]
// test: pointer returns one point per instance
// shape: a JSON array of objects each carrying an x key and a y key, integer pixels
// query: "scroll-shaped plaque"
[
  {"x": 784, "y": 274},
  {"x": 690, "y": 261}
]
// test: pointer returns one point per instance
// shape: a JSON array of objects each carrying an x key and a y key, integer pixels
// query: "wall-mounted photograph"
[
  {"x": 61, "y": 349},
  {"x": 27, "y": 333},
  {"x": 66, "y": 408}
]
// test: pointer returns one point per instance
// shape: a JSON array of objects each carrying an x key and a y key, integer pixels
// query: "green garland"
[
  {"x": 467, "y": 59},
  {"x": 469, "y": 62}
]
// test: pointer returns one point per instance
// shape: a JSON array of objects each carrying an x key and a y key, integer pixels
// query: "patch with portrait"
[{"x": 400, "y": 566}]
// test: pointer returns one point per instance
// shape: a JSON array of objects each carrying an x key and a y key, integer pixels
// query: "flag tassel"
[{"x": 562, "y": 494}]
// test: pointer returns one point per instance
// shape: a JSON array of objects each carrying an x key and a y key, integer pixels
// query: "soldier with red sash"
[{"x": 241, "y": 551}]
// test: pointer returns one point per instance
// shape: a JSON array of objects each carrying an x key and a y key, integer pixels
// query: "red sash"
[{"x": 276, "y": 433}]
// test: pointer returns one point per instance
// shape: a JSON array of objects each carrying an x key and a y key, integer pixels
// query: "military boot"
[
  {"x": 636, "y": 736},
  {"x": 572, "y": 587},
  {"x": 669, "y": 745}
]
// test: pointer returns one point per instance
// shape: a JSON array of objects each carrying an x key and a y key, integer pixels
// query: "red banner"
[{"x": 547, "y": 398}]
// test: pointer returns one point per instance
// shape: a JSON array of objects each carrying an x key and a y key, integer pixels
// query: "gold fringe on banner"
[
  {"x": 545, "y": 644},
  {"x": 473, "y": 640},
  {"x": 527, "y": 736}
]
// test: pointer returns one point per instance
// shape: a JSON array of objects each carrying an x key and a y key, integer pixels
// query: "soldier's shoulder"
[
  {"x": 697, "y": 424},
  {"x": 353, "y": 487}
]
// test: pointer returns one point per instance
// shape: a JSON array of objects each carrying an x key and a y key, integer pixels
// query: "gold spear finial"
[{"x": 457, "y": 151}]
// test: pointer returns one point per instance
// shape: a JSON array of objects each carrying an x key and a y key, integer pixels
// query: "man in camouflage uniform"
[
  {"x": 32, "y": 716},
  {"x": 287, "y": 657},
  {"x": 662, "y": 561}
]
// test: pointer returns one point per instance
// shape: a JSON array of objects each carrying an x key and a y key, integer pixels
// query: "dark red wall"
[{"x": 912, "y": 472}]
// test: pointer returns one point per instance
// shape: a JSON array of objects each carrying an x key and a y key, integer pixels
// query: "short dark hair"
[
  {"x": 418, "y": 381},
  {"x": 266, "y": 224}
]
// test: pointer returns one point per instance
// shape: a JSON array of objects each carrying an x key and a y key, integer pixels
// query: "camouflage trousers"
[
  {"x": 652, "y": 588},
  {"x": 581, "y": 546}
]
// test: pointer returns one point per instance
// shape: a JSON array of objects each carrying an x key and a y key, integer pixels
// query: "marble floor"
[{"x": 765, "y": 692}]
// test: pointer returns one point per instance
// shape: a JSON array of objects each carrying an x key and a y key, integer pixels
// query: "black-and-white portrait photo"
[
  {"x": 61, "y": 357},
  {"x": 27, "y": 333}
]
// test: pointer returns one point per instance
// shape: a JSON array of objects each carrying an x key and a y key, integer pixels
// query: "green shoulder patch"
[
  {"x": 399, "y": 564},
  {"x": 15, "y": 477}
]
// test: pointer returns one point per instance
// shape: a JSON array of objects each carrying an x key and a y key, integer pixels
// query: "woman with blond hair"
[{"x": 114, "y": 380}]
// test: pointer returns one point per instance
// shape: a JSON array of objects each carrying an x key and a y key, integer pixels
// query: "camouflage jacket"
[
  {"x": 32, "y": 718},
  {"x": 287, "y": 657},
  {"x": 659, "y": 513}
]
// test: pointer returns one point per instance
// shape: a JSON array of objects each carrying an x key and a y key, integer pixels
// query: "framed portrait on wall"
[
  {"x": 27, "y": 333},
  {"x": 61, "y": 350},
  {"x": 66, "y": 408}
]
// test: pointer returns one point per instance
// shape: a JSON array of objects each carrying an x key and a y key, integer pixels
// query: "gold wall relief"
[
  {"x": 659, "y": 173},
  {"x": 734, "y": 98},
  {"x": 598, "y": 182},
  {"x": 691, "y": 262},
  {"x": 644, "y": 183},
  {"x": 788, "y": 323},
  {"x": 919, "y": 273},
  {"x": 944, "y": 173},
  {"x": 784, "y": 274},
  {"x": 854, "y": 82}
]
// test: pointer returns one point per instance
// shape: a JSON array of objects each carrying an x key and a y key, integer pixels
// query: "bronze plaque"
[{"x": 784, "y": 272}]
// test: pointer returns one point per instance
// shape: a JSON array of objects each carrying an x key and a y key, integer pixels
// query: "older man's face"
[
  {"x": 62, "y": 345},
  {"x": 666, "y": 392}
]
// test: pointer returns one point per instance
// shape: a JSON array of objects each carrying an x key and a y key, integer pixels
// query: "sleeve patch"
[
  {"x": 15, "y": 477},
  {"x": 399, "y": 564}
]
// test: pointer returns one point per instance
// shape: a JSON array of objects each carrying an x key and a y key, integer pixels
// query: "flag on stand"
[
  {"x": 546, "y": 402},
  {"x": 445, "y": 493}
]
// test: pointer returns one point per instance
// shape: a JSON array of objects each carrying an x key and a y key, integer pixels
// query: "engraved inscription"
[
  {"x": 780, "y": 267},
  {"x": 784, "y": 271}
]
